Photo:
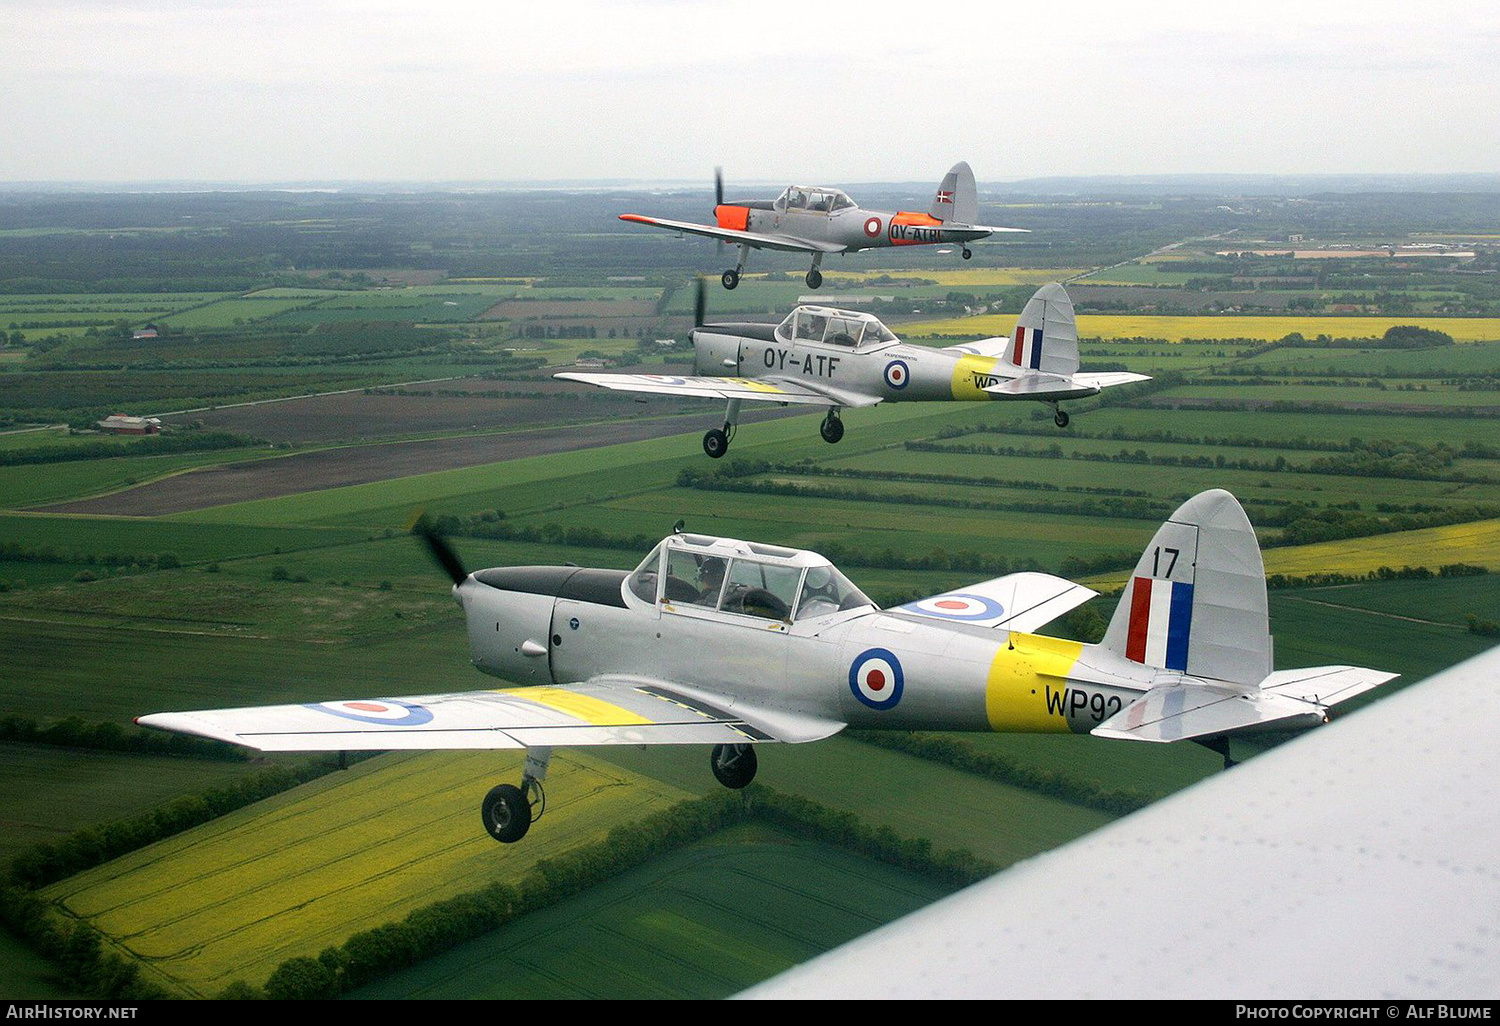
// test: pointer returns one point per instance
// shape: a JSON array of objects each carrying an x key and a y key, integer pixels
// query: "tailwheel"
[
  {"x": 715, "y": 443},
  {"x": 814, "y": 278},
  {"x": 730, "y": 279},
  {"x": 506, "y": 813},
  {"x": 1060, "y": 418},
  {"x": 832, "y": 429},
  {"x": 968, "y": 253},
  {"x": 733, "y": 765}
]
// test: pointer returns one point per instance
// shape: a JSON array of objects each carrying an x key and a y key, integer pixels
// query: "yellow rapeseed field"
[
  {"x": 290, "y": 876},
  {"x": 969, "y": 277},
  {"x": 1178, "y": 329},
  {"x": 1477, "y": 543}
]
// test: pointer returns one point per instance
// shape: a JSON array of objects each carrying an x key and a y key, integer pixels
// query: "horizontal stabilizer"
[
  {"x": 1325, "y": 685},
  {"x": 1108, "y": 379},
  {"x": 1041, "y": 386},
  {"x": 1018, "y": 602},
  {"x": 1181, "y": 712}
]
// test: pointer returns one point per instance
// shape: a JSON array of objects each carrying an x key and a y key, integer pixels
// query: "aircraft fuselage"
[
  {"x": 851, "y": 227},
  {"x": 868, "y": 668},
  {"x": 891, "y": 372}
]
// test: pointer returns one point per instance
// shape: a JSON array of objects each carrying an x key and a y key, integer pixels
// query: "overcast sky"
[{"x": 267, "y": 90}]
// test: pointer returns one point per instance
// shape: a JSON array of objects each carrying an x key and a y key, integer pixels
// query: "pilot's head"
[{"x": 711, "y": 571}]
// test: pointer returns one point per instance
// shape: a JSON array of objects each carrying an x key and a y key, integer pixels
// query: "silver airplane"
[
  {"x": 819, "y": 220},
  {"x": 822, "y": 357},
  {"x": 712, "y": 641}
]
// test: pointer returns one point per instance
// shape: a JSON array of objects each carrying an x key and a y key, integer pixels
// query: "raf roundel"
[
  {"x": 875, "y": 678},
  {"x": 383, "y": 711},
  {"x": 665, "y": 379},
  {"x": 897, "y": 374},
  {"x": 957, "y": 606}
]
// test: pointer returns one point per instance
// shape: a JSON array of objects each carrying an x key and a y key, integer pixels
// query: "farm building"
[
  {"x": 149, "y": 331},
  {"x": 122, "y": 424}
]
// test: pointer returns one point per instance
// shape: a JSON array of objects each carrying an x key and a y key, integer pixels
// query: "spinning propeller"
[{"x": 442, "y": 553}]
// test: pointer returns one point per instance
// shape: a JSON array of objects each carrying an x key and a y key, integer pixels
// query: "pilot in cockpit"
[{"x": 710, "y": 581}]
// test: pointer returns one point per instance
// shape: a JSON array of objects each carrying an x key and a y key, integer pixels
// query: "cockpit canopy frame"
[
  {"x": 814, "y": 199},
  {"x": 825, "y": 324},
  {"x": 768, "y": 582}
]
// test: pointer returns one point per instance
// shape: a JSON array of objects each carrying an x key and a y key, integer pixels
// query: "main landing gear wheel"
[
  {"x": 968, "y": 253},
  {"x": 730, "y": 279},
  {"x": 506, "y": 813},
  {"x": 715, "y": 443},
  {"x": 733, "y": 765},
  {"x": 814, "y": 278},
  {"x": 1060, "y": 418},
  {"x": 832, "y": 429}
]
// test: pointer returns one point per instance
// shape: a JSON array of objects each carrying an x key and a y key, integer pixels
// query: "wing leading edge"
[
  {"x": 604, "y": 711},
  {"x": 784, "y": 243}
]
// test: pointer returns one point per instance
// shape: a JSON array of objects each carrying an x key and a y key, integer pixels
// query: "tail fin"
[
  {"x": 957, "y": 198},
  {"x": 1197, "y": 600},
  {"x": 1046, "y": 337}
]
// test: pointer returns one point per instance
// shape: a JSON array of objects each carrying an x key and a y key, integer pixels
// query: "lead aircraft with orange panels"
[{"x": 819, "y": 220}]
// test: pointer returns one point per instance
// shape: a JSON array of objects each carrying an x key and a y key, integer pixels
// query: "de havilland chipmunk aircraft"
[
  {"x": 819, "y": 220},
  {"x": 819, "y": 356},
  {"x": 711, "y": 641}
]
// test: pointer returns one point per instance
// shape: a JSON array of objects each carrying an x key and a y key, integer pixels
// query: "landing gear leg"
[
  {"x": 968, "y": 253},
  {"x": 1059, "y": 417},
  {"x": 733, "y": 765},
  {"x": 815, "y": 276},
  {"x": 832, "y": 428},
  {"x": 508, "y": 810},
  {"x": 1219, "y": 746},
  {"x": 716, "y": 442},
  {"x": 731, "y": 278}
]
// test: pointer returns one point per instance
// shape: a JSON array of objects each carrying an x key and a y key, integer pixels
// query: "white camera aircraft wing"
[{"x": 602, "y": 711}]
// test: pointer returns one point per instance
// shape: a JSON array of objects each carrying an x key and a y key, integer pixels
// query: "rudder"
[
  {"x": 957, "y": 198},
  {"x": 1197, "y": 600},
  {"x": 1046, "y": 335}
]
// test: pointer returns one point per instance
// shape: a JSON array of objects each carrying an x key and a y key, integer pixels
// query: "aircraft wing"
[
  {"x": 1355, "y": 861},
  {"x": 756, "y": 389},
  {"x": 1018, "y": 602},
  {"x": 602, "y": 711},
  {"x": 785, "y": 243},
  {"x": 991, "y": 347}
]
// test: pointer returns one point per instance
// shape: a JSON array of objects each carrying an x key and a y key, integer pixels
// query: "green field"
[{"x": 705, "y": 922}]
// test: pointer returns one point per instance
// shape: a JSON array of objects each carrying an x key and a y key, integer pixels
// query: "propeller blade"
[
  {"x": 718, "y": 202},
  {"x": 439, "y": 549},
  {"x": 700, "y": 304}
]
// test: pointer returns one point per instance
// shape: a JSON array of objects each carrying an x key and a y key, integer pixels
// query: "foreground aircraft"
[
  {"x": 819, "y": 356},
  {"x": 818, "y": 220},
  {"x": 711, "y": 641}
]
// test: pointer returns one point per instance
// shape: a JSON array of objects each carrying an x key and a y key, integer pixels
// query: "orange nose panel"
[{"x": 734, "y": 218}]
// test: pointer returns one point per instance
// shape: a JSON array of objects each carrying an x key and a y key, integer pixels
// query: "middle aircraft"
[{"x": 819, "y": 356}]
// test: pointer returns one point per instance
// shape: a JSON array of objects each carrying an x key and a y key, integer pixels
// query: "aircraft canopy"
[
  {"x": 814, "y": 199},
  {"x": 835, "y": 327},
  {"x": 747, "y": 578}
]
